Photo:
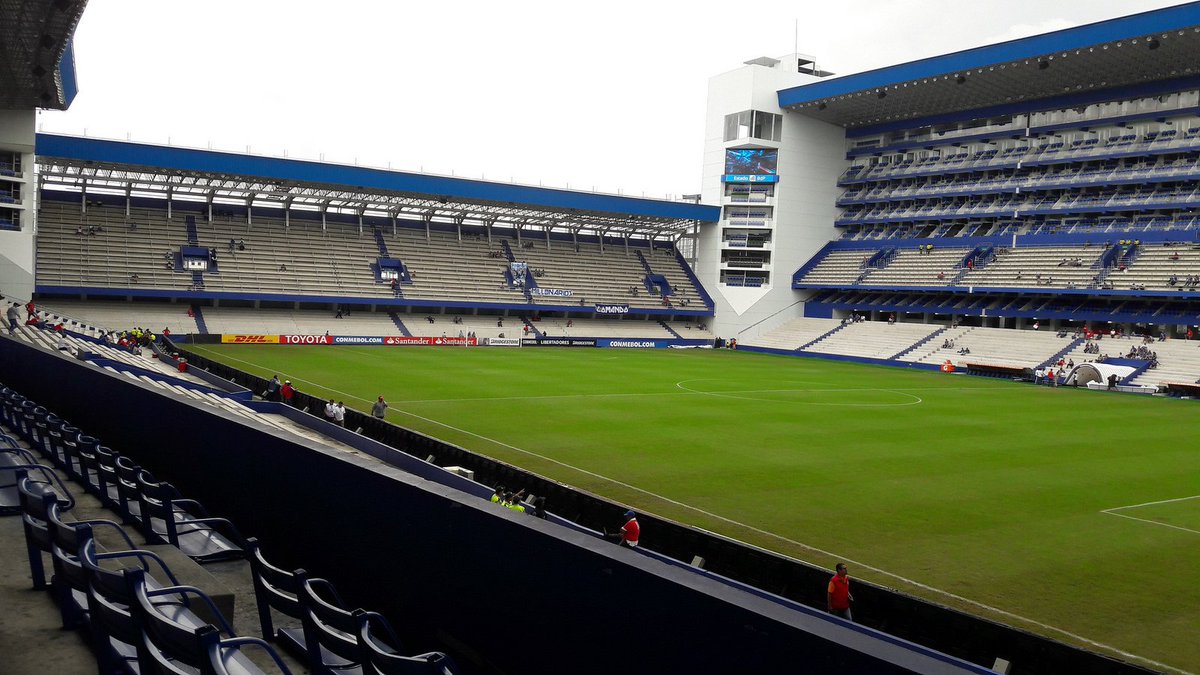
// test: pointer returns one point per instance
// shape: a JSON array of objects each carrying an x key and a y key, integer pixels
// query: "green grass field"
[{"x": 1041, "y": 508}]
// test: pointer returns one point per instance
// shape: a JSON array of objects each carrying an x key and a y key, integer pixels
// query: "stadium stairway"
[
  {"x": 383, "y": 250},
  {"x": 1062, "y": 352},
  {"x": 645, "y": 263},
  {"x": 396, "y": 320},
  {"x": 918, "y": 343},
  {"x": 198, "y": 315},
  {"x": 532, "y": 328},
  {"x": 669, "y": 329},
  {"x": 1138, "y": 370},
  {"x": 821, "y": 337},
  {"x": 192, "y": 233}
]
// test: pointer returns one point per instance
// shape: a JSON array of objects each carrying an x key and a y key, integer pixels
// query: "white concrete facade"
[
  {"x": 800, "y": 210},
  {"x": 17, "y": 135}
]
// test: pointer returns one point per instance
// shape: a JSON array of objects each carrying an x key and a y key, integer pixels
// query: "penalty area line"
[{"x": 1114, "y": 512}]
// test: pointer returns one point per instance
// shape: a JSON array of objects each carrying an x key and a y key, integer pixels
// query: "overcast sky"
[{"x": 606, "y": 96}]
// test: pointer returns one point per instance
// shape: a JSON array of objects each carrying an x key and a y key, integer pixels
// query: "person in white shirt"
[{"x": 339, "y": 414}]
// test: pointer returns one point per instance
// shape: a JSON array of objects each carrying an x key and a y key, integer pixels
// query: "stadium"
[{"x": 934, "y": 321}]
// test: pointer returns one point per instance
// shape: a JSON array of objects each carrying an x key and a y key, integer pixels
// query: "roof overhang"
[
  {"x": 71, "y": 162},
  {"x": 37, "y": 62},
  {"x": 1119, "y": 53}
]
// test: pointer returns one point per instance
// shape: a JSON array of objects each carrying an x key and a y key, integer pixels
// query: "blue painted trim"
[
  {"x": 66, "y": 74},
  {"x": 1171, "y": 18},
  {"x": 186, "y": 159},
  {"x": 839, "y": 357},
  {"x": 1034, "y": 105}
]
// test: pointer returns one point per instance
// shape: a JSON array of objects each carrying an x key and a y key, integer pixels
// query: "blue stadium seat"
[
  {"x": 278, "y": 589},
  {"x": 128, "y": 503},
  {"x": 379, "y": 651},
  {"x": 167, "y": 518},
  {"x": 172, "y": 645},
  {"x": 329, "y": 629}
]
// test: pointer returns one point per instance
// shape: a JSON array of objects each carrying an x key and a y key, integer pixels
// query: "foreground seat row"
[{"x": 136, "y": 615}]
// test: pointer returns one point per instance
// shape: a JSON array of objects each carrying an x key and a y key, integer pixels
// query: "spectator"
[
  {"x": 241, "y": 244},
  {"x": 272, "y": 393},
  {"x": 287, "y": 392},
  {"x": 629, "y": 532},
  {"x": 838, "y": 597},
  {"x": 377, "y": 410},
  {"x": 329, "y": 410},
  {"x": 14, "y": 317},
  {"x": 498, "y": 494},
  {"x": 339, "y": 414},
  {"x": 283, "y": 268},
  {"x": 134, "y": 278},
  {"x": 513, "y": 501}
]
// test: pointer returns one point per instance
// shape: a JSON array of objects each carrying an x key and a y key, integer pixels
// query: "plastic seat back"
[
  {"x": 127, "y": 490},
  {"x": 379, "y": 651},
  {"x": 70, "y": 578},
  {"x": 36, "y": 500},
  {"x": 329, "y": 628},
  {"x": 274, "y": 588},
  {"x": 168, "y": 647}
]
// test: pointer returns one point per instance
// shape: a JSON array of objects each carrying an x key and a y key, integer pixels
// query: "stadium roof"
[
  {"x": 206, "y": 175},
  {"x": 1126, "y": 52},
  {"x": 37, "y": 64}
]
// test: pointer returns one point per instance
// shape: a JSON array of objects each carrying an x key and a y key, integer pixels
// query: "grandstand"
[{"x": 999, "y": 210}]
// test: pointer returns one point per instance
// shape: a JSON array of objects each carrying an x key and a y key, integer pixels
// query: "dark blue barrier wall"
[{"x": 508, "y": 593}]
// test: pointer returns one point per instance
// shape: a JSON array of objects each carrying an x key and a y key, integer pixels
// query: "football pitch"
[{"x": 1073, "y": 514}]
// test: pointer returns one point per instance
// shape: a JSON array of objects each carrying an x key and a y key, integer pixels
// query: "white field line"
[
  {"x": 1152, "y": 522},
  {"x": 772, "y": 535},
  {"x": 1161, "y": 501},
  {"x": 1113, "y": 512}
]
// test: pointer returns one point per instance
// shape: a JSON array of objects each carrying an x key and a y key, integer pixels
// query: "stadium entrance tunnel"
[{"x": 1086, "y": 373}]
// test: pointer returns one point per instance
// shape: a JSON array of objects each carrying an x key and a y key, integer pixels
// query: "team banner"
[
  {"x": 612, "y": 309},
  {"x": 305, "y": 340},
  {"x": 557, "y": 292},
  {"x": 251, "y": 339}
]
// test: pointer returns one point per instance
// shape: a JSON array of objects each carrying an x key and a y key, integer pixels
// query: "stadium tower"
[
  {"x": 41, "y": 74},
  {"x": 1007, "y": 158}
]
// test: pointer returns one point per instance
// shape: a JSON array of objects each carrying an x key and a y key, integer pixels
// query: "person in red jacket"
[
  {"x": 629, "y": 532},
  {"x": 838, "y": 595},
  {"x": 287, "y": 391}
]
